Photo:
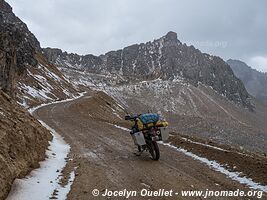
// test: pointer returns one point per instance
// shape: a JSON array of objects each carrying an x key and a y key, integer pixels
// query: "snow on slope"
[
  {"x": 176, "y": 96},
  {"x": 92, "y": 80},
  {"x": 42, "y": 182},
  {"x": 42, "y": 84},
  {"x": 191, "y": 108}
]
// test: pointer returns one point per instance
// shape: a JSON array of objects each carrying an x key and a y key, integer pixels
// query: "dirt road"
[{"x": 103, "y": 155}]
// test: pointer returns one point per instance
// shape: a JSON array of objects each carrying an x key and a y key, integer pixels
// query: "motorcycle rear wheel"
[{"x": 154, "y": 150}]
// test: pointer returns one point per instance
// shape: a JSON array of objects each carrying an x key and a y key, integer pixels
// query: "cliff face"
[
  {"x": 25, "y": 74},
  {"x": 8, "y": 63},
  {"x": 254, "y": 81},
  {"x": 28, "y": 78},
  {"x": 17, "y": 48},
  {"x": 23, "y": 142},
  {"x": 10, "y": 19},
  {"x": 166, "y": 58}
]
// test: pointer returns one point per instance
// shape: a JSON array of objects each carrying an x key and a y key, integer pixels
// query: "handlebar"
[{"x": 131, "y": 117}]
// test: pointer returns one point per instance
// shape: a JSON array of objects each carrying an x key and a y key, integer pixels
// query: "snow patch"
[
  {"x": 115, "y": 113},
  {"x": 63, "y": 191},
  {"x": 23, "y": 104},
  {"x": 41, "y": 182},
  {"x": 206, "y": 145},
  {"x": 120, "y": 127},
  {"x": 2, "y": 113},
  {"x": 51, "y": 74},
  {"x": 40, "y": 93},
  {"x": 219, "y": 168},
  {"x": 31, "y": 110}
]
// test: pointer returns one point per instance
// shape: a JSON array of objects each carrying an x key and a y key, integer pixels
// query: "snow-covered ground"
[
  {"x": 2, "y": 113},
  {"x": 42, "y": 182},
  {"x": 218, "y": 167},
  {"x": 31, "y": 110},
  {"x": 206, "y": 145},
  {"x": 122, "y": 128}
]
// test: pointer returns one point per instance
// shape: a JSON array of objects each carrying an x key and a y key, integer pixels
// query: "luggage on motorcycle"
[
  {"x": 164, "y": 134},
  {"x": 149, "y": 118},
  {"x": 138, "y": 138},
  {"x": 161, "y": 123},
  {"x": 147, "y": 121}
]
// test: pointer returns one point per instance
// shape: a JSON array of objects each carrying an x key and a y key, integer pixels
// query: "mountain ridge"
[
  {"x": 165, "y": 58},
  {"x": 254, "y": 81}
]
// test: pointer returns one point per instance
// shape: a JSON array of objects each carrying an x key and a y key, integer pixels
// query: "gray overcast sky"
[{"x": 228, "y": 28}]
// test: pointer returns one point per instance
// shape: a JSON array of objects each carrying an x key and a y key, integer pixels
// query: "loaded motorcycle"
[{"x": 147, "y": 131}]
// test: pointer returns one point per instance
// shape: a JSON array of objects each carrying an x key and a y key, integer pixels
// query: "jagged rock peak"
[
  {"x": 172, "y": 36},
  {"x": 164, "y": 58},
  {"x": 9, "y": 20}
]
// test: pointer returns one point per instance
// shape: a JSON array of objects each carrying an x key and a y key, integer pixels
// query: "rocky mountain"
[
  {"x": 27, "y": 78},
  {"x": 16, "y": 42},
  {"x": 25, "y": 73},
  {"x": 165, "y": 58},
  {"x": 198, "y": 111},
  {"x": 197, "y": 93},
  {"x": 254, "y": 81}
]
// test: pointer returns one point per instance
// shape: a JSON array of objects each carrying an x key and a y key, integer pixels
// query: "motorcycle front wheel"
[{"x": 154, "y": 150}]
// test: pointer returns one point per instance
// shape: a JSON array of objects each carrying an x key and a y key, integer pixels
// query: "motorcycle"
[{"x": 146, "y": 140}]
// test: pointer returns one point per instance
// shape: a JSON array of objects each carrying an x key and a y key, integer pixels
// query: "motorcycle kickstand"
[{"x": 139, "y": 152}]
